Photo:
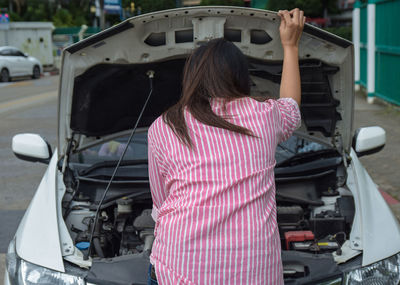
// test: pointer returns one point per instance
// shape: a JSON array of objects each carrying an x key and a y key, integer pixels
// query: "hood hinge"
[
  {"x": 337, "y": 142},
  {"x": 71, "y": 145}
]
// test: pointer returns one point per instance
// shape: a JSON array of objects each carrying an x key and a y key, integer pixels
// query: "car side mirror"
[
  {"x": 369, "y": 140},
  {"x": 31, "y": 147}
]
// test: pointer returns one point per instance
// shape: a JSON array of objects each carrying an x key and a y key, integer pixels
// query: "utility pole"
[{"x": 102, "y": 15}]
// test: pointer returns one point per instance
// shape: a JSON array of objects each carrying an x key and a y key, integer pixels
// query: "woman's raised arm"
[{"x": 290, "y": 30}]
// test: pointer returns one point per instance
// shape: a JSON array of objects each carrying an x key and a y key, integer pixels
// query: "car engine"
[
  {"x": 312, "y": 216},
  {"x": 124, "y": 226},
  {"x": 315, "y": 212}
]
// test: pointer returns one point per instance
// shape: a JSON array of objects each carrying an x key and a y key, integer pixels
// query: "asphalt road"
[{"x": 25, "y": 106}]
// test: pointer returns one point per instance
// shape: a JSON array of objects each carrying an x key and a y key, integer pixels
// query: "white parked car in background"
[
  {"x": 15, "y": 63},
  {"x": 335, "y": 227}
]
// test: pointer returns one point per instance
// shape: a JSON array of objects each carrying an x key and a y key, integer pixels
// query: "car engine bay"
[
  {"x": 314, "y": 208},
  {"x": 315, "y": 211}
]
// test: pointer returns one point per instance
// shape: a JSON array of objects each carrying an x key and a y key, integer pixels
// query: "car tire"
[
  {"x": 5, "y": 75},
  {"x": 36, "y": 72}
]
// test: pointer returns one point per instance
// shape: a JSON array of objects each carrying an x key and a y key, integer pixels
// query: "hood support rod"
[{"x": 150, "y": 74}]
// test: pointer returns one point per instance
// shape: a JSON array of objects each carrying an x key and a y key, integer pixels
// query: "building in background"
[
  {"x": 376, "y": 37},
  {"x": 344, "y": 18},
  {"x": 33, "y": 38},
  {"x": 191, "y": 2}
]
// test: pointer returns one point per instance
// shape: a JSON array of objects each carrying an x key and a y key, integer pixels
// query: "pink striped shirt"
[{"x": 214, "y": 205}]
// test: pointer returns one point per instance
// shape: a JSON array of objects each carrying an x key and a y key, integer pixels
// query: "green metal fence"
[
  {"x": 383, "y": 61},
  {"x": 73, "y": 32},
  {"x": 387, "y": 50},
  {"x": 260, "y": 4},
  {"x": 63, "y": 37},
  {"x": 363, "y": 45}
]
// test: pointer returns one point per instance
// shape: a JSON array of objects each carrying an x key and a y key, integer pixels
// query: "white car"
[
  {"x": 335, "y": 226},
  {"x": 15, "y": 63}
]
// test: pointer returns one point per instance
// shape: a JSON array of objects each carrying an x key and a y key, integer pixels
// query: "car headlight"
[
  {"x": 23, "y": 272},
  {"x": 385, "y": 272}
]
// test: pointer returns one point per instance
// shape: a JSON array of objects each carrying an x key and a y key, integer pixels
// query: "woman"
[{"x": 211, "y": 168}]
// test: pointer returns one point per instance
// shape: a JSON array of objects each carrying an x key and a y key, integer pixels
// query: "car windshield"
[
  {"x": 296, "y": 146},
  {"x": 137, "y": 149},
  {"x": 112, "y": 150}
]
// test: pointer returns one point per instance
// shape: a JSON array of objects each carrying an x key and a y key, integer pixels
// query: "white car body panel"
[
  {"x": 6, "y": 62},
  {"x": 19, "y": 65},
  {"x": 30, "y": 145},
  {"x": 375, "y": 228},
  {"x": 6, "y": 279},
  {"x": 370, "y": 138},
  {"x": 26, "y": 64},
  {"x": 37, "y": 237},
  {"x": 69, "y": 251}
]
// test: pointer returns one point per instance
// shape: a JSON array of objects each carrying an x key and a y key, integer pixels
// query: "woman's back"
[{"x": 214, "y": 203}]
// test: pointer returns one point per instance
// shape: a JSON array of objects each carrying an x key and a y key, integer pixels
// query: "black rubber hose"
[
  {"x": 96, "y": 240},
  {"x": 97, "y": 247}
]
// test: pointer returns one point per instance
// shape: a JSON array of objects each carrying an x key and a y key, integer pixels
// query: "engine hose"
[
  {"x": 96, "y": 239},
  {"x": 97, "y": 247}
]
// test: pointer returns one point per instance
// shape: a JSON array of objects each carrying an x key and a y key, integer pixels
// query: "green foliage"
[
  {"x": 222, "y": 2},
  {"x": 36, "y": 12},
  {"x": 311, "y": 8},
  {"x": 276, "y": 5},
  {"x": 62, "y": 12},
  {"x": 344, "y": 32},
  {"x": 147, "y": 6},
  {"x": 62, "y": 18},
  {"x": 79, "y": 9},
  {"x": 14, "y": 17}
]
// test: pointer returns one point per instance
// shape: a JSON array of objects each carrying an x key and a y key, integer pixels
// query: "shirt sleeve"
[
  {"x": 289, "y": 118},
  {"x": 156, "y": 178}
]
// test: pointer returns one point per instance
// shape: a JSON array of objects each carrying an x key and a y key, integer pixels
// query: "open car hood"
[{"x": 104, "y": 81}]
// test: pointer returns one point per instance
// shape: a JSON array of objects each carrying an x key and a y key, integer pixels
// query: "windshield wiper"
[
  {"x": 111, "y": 163},
  {"x": 307, "y": 156}
]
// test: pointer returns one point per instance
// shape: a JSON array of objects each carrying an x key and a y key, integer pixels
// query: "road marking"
[
  {"x": 23, "y": 102},
  {"x": 5, "y": 84},
  {"x": 2, "y": 266},
  {"x": 16, "y": 84},
  {"x": 21, "y": 83},
  {"x": 25, "y": 82}
]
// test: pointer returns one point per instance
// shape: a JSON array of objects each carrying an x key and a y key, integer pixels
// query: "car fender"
[
  {"x": 5, "y": 64},
  {"x": 375, "y": 228},
  {"x": 37, "y": 237},
  {"x": 34, "y": 61}
]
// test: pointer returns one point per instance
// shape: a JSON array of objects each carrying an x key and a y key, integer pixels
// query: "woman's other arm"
[
  {"x": 156, "y": 178},
  {"x": 290, "y": 30}
]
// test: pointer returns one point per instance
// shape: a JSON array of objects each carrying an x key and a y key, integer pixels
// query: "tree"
[
  {"x": 63, "y": 13},
  {"x": 311, "y": 8},
  {"x": 223, "y": 2},
  {"x": 147, "y": 6},
  {"x": 19, "y": 4},
  {"x": 62, "y": 18}
]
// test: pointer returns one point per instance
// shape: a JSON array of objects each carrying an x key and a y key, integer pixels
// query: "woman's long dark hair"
[{"x": 217, "y": 69}]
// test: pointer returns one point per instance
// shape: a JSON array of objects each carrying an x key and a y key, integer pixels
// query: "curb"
[
  {"x": 50, "y": 73},
  {"x": 389, "y": 199}
]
